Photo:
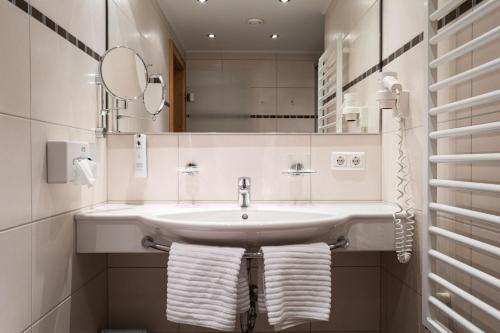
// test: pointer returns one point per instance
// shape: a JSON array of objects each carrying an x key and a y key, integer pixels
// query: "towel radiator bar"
[
  {"x": 444, "y": 272},
  {"x": 148, "y": 242},
  {"x": 330, "y": 67}
]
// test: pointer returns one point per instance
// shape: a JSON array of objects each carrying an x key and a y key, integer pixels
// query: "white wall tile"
[
  {"x": 51, "y": 199},
  {"x": 63, "y": 88},
  {"x": 403, "y": 20},
  {"x": 57, "y": 269},
  {"x": 330, "y": 184},
  {"x": 161, "y": 183},
  {"x": 15, "y": 295},
  {"x": 15, "y": 171},
  {"x": 15, "y": 64},
  {"x": 84, "y": 19},
  {"x": 409, "y": 69},
  {"x": 224, "y": 158}
]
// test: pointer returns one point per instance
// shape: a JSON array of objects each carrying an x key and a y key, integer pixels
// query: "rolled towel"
[
  {"x": 297, "y": 284},
  {"x": 204, "y": 287}
]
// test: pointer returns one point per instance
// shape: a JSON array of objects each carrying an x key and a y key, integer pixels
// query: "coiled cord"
[{"x": 404, "y": 218}]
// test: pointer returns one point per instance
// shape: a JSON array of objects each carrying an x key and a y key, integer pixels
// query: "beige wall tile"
[
  {"x": 355, "y": 295},
  {"x": 147, "y": 310},
  {"x": 15, "y": 64},
  {"x": 284, "y": 125},
  {"x": 57, "y": 269},
  {"x": 83, "y": 312},
  {"x": 296, "y": 101},
  {"x": 15, "y": 171},
  {"x": 330, "y": 184},
  {"x": 403, "y": 306},
  {"x": 15, "y": 296},
  {"x": 299, "y": 74},
  {"x": 356, "y": 259},
  {"x": 84, "y": 19},
  {"x": 224, "y": 158},
  {"x": 252, "y": 73},
  {"x": 70, "y": 96},
  {"x": 131, "y": 260},
  {"x": 51, "y": 199},
  {"x": 161, "y": 183}
]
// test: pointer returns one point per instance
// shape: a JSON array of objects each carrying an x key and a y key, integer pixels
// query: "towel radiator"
[
  {"x": 330, "y": 66},
  {"x": 439, "y": 314},
  {"x": 148, "y": 242}
]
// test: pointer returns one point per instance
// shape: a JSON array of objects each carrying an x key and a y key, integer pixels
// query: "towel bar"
[{"x": 148, "y": 242}]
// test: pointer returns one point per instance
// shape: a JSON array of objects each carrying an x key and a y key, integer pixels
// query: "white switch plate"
[{"x": 348, "y": 160}]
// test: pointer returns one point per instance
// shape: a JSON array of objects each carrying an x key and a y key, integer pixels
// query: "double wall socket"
[{"x": 348, "y": 161}]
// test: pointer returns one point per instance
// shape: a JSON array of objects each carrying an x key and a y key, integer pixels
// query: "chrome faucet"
[{"x": 244, "y": 192}]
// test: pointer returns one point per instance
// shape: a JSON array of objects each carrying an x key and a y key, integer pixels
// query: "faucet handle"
[{"x": 244, "y": 183}]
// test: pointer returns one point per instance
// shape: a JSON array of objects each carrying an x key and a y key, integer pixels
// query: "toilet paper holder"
[{"x": 62, "y": 156}]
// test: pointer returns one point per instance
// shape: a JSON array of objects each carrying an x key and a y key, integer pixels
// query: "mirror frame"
[
  {"x": 104, "y": 82},
  {"x": 163, "y": 102}
]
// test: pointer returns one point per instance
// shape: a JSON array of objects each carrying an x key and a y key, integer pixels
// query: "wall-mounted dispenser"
[
  {"x": 71, "y": 162},
  {"x": 353, "y": 113}
]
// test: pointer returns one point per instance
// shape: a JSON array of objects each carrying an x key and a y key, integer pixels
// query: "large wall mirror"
[{"x": 254, "y": 66}]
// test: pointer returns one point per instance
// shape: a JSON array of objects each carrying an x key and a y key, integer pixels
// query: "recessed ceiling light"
[
  {"x": 255, "y": 21},
  {"x": 202, "y": 1},
  {"x": 211, "y": 35},
  {"x": 284, "y": 1},
  {"x": 274, "y": 36}
]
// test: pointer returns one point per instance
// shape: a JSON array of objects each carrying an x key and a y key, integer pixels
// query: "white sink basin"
[
  {"x": 252, "y": 226},
  {"x": 120, "y": 228}
]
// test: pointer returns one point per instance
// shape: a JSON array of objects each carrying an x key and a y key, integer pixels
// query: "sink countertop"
[{"x": 121, "y": 211}]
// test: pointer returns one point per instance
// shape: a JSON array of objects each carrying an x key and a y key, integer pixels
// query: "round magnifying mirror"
[
  {"x": 123, "y": 73},
  {"x": 155, "y": 94}
]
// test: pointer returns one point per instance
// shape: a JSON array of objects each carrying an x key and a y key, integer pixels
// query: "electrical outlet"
[
  {"x": 356, "y": 161},
  {"x": 348, "y": 160},
  {"x": 339, "y": 161}
]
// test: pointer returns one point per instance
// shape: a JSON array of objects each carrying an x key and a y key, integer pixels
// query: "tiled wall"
[
  {"x": 223, "y": 158},
  {"x": 401, "y": 284},
  {"x": 251, "y": 92},
  {"x": 47, "y": 92},
  {"x": 141, "y": 25}
]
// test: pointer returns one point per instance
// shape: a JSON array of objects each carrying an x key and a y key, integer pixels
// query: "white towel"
[
  {"x": 297, "y": 284},
  {"x": 205, "y": 287}
]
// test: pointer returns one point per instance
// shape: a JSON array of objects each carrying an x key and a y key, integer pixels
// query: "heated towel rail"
[
  {"x": 148, "y": 242},
  {"x": 440, "y": 316},
  {"x": 330, "y": 66}
]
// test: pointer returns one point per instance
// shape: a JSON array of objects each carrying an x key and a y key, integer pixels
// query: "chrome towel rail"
[{"x": 148, "y": 242}]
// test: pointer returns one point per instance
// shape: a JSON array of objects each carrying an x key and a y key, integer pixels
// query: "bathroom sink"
[
  {"x": 232, "y": 226},
  {"x": 120, "y": 228}
]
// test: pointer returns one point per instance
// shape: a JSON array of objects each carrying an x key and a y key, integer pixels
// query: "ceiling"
[{"x": 300, "y": 24}]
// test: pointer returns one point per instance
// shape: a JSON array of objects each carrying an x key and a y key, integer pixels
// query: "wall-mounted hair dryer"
[{"x": 391, "y": 96}]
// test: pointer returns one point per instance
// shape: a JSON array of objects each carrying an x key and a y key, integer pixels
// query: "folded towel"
[
  {"x": 205, "y": 287},
  {"x": 297, "y": 284}
]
